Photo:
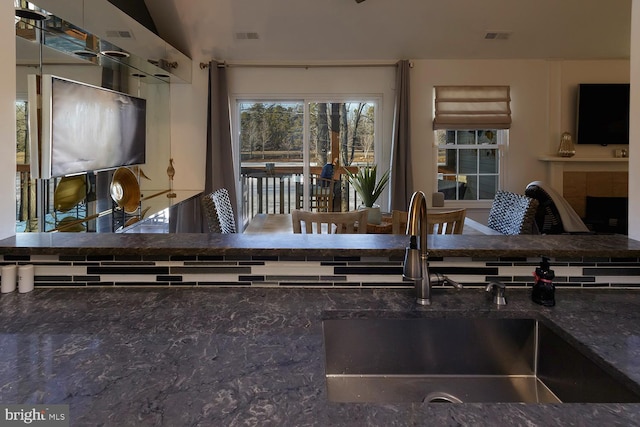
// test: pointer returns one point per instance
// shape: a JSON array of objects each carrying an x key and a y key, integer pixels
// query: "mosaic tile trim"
[{"x": 328, "y": 272}]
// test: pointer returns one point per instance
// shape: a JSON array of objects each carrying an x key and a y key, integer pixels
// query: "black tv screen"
[
  {"x": 603, "y": 113},
  {"x": 89, "y": 128}
]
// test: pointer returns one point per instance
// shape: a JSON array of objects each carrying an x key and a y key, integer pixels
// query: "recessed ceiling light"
[
  {"x": 115, "y": 53},
  {"x": 85, "y": 53}
]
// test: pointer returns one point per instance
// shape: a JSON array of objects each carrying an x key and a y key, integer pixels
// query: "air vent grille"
[
  {"x": 247, "y": 36},
  {"x": 497, "y": 35},
  {"x": 120, "y": 34}
]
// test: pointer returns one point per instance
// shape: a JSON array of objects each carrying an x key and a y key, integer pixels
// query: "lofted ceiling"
[{"x": 344, "y": 30}]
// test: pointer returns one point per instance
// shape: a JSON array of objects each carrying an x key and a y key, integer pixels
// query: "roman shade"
[{"x": 472, "y": 107}]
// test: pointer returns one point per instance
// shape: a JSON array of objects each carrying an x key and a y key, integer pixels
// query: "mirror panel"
[{"x": 47, "y": 48}]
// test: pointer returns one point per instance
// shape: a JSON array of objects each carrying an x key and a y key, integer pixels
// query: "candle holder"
[{"x": 566, "y": 148}]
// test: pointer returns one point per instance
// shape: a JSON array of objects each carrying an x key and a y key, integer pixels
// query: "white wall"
[
  {"x": 542, "y": 104},
  {"x": 528, "y": 81},
  {"x": 189, "y": 130},
  {"x": 7, "y": 121}
]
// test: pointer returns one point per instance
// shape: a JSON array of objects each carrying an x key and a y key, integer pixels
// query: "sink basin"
[{"x": 463, "y": 360}]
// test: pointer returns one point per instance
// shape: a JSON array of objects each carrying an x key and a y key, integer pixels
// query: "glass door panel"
[
  {"x": 271, "y": 156},
  {"x": 341, "y": 133}
]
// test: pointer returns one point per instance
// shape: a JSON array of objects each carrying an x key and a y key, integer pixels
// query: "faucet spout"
[{"x": 416, "y": 265}]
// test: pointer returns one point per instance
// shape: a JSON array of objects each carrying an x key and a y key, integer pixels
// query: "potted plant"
[{"x": 369, "y": 188}]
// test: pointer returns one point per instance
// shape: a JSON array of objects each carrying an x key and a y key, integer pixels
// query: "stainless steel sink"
[{"x": 463, "y": 360}]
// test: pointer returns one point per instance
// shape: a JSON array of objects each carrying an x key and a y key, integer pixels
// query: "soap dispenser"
[{"x": 543, "y": 291}]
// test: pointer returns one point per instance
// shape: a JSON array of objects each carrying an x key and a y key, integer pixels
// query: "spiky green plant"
[{"x": 367, "y": 185}]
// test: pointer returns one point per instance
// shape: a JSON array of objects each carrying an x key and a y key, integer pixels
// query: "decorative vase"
[
  {"x": 374, "y": 215},
  {"x": 566, "y": 148}
]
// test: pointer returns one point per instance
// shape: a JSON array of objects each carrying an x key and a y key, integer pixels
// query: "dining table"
[{"x": 281, "y": 223}]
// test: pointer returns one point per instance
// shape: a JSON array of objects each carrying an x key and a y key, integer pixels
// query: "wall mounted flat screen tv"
[
  {"x": 603, "y": 113},
  {"x": 88, "y": 128}
]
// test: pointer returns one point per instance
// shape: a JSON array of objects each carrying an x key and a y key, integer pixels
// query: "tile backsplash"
[{"x": 312, "y": 272}]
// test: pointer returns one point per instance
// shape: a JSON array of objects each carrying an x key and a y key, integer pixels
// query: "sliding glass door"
[{"x": 284, "y": 144}]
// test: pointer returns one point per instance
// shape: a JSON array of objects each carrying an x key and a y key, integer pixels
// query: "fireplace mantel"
[
  {"x": 584, "y": 159},
  {"x": 557, "y": 166}
]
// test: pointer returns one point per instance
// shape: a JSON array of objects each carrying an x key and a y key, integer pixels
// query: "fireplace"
[{"x": 607, "y": 214}]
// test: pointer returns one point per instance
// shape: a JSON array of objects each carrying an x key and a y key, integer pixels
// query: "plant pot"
[{"x": 374, "y": 213}]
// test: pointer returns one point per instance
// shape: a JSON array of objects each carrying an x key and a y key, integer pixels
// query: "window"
[
  {"x": 285, "y": 143},
  {"x": 469, "y": 163},
  {"x": 471, "y": 125}
]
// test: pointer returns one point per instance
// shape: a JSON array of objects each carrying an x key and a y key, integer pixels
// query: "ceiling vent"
[
  {"x": 497, "y": 35},
  {"x": 247, "y": 36},
  {"x": 119, "y": 34}
]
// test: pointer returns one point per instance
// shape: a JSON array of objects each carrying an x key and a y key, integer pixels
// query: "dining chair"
[
  {"x": 513, "y": 213},
  {"x": 219, "y": 212},
  {"x": 353, "y": 222},
  {"x": 554, "y": 214},
  {"x": 450, "y": 222},
  {"x": 399, "y": 221},
  {"x": 320, "y": 194}
]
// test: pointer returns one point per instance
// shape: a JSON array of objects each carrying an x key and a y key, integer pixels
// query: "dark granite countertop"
[
  {"x": 184, "y": 244},
  {"x": 255, "y": 356}
]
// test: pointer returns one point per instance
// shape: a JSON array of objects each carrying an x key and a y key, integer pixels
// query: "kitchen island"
[
  {"x": 254, "y": 356},
  {"x": 155, "y": 329}
]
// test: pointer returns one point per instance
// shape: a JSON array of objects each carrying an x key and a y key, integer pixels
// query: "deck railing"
[{"x": 281, "y": 191}]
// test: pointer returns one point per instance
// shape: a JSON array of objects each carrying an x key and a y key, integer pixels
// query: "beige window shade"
[{"x": 472, "y": 107}]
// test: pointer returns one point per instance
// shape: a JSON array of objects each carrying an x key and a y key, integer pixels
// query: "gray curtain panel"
[
  {"x": 219, "y": 165},
  {"x": 186, "y": 217},
  {"x": 401, "y": 177}
]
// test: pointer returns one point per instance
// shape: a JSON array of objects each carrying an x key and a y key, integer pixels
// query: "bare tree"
[{"x": 323, "y": 132}]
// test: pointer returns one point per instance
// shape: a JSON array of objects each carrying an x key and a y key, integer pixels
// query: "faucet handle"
[
  {"x": 440, "y": 279},
  {"x": 452, "y": 283},
  {"x": 497, "y": 289}
]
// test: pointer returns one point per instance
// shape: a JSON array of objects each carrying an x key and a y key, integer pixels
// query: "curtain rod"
[{"x": 204, "y": 65}]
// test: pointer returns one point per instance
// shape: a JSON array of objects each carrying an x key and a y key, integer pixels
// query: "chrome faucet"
[{"x": 416, "y": 265}]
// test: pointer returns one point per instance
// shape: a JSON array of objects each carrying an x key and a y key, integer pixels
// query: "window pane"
[
  {"x": 468, "y": 161},
  {"x": 271, "y": 155},
  {"x": 471, "y": 192},
  {"x": 449, "y": 164},
  {"x": 466, "y": 137},
  {"x": 451, "y": 188},
  {"x": 445, "y": 137},
  {"x": 488, "y": 187},
  {"x": 487, "y": 137},
  {"x": 342, "y": 131},
  {"x": 353, "y": 124},
  {"x": 488, "y": 161},
  {"x": 270, "y": 132}
]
